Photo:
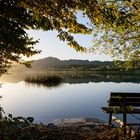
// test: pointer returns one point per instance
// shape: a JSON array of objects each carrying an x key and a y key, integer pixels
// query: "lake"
[{"x": 80, "y": 97}]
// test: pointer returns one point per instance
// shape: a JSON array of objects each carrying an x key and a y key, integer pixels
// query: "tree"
[
  {"x": 14, "y": 40},
  {"x": 117, "y": 23},
  {"x": 18, "y": 16},
  {"x": 114, "y": 25}
]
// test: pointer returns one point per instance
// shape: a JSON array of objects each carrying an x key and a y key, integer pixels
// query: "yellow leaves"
[
  {"x": 116, "y": 14},
  {"x": 96, "y": 19}
]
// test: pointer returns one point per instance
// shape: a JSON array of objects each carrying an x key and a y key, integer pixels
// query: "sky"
[{"x": 51, "y": 46}]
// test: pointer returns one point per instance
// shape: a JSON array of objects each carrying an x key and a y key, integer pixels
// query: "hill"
[
  {"x": 55, "y": 64},
  {"x": 52, "y": 63}
]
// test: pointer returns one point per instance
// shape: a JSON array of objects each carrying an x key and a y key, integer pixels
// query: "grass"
[{"x": 45, "y": 80}]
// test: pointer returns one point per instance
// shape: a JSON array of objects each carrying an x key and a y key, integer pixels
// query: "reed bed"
[{"x": 46, "y": 80}]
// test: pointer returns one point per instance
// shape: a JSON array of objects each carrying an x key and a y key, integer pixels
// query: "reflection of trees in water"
[
  {"x": 86, "y": 78},
  {"x": 76, "y": 77}
]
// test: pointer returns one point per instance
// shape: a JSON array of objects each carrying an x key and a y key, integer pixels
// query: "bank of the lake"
[{"x": 23, "y": 129}]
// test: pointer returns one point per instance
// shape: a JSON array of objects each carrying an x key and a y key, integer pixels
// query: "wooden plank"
[
  {"x": 132, "y": 123},
  {"x": 135, "y": 104},
  {"x": 122, "y": 94},
  {"x": 118, "y": 110},
  {"x": 129, "y": 99}
]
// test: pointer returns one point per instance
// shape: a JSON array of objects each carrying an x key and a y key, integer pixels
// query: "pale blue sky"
[{"x": 52, "y": 46}]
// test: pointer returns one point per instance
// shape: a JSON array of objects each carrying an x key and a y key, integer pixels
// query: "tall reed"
[{"x": 46, "y": 80}]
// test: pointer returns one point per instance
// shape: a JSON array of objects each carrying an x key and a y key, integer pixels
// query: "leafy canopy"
[
  {"x": 114, "y": 25},
  {"x": 14, "y": 41}
]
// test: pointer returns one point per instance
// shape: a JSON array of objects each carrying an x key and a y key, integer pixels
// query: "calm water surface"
[{"x": 70, "y": 100}]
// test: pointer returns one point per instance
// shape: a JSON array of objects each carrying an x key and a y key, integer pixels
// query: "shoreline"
[{"x": 21, "y": 128}]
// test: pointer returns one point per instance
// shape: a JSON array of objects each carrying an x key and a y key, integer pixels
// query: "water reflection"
[
  {"x": 72, "y": 78},
  {"x": 86, "y": 78},
  {"x": 81, "y": 78},
  {"x": 46, "y": 85},
  {"x": 68, "y": 100},
  {"x": 44, "y": 80}
]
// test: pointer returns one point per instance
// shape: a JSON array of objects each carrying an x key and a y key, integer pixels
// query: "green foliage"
[
  {"x": 29, "y": 119},
  {"x": 14, "y": 41},
  {"x": 113, "y": 24},
  {"x": 116, "y": 29},
  {"x": 15, "y": 127},
  {"x": 121, "y": 136}
]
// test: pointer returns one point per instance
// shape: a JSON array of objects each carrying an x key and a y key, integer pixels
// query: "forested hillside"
[{"x": 51, "y": 63}]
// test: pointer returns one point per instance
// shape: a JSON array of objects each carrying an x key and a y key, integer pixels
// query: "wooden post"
[
  {"x": 124, "y": 114},
  {"x": 124, "y": 121},
  {"x": 110, "y": 119}
]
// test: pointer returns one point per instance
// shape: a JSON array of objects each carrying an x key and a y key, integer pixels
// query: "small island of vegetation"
[{"x": 45, "y": 80}]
